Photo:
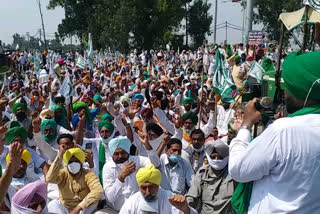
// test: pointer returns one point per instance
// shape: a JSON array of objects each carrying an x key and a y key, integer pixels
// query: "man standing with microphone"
[{"x": 284, "y": 161}]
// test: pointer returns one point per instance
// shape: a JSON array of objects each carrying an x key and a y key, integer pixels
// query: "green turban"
[
  {"x": 52, "y": 124},
  {"x": 300, "y": 72},
  {"x": 190, "y": 115},
  {"x": 16, "y": 106},
  {"x": 14, "y": 123},
  {"x": 267, "y": 65},
  {"x": 17, "y": 131},
  {"x": 237, "y": 58},
  {"x": 97, "y": 97},
  {"x": 145, "y": 73},
  {"x": 187, "y": 100},
  {"x": 106, "y": 124},
  {"x": 78, "y": 105},
  {"x": 107, "y": 117}
]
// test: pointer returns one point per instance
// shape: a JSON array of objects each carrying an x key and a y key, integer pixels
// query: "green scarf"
[
  {"x": 241, "y": 196},
  {"x": 53, "y": 125},
  {"x": 102, "y": 160},
  {"x": 307, "y": 110}
]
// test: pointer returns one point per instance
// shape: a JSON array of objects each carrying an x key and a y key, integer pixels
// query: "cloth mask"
[
  {"x": 218, "y": 164},
  {"x": 197, "y": 150}
]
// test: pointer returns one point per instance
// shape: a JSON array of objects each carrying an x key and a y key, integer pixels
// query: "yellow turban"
[
  {"x": 77, "y": 152},
  {"x": 26, "y": 156},
  {"x": 118, "y": 78},
  {"x": 46, "y": 112},
  {"x": 148, "y": 173}
]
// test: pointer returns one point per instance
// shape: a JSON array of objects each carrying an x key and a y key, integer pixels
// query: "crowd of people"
[{"x": 148, "y": 133}]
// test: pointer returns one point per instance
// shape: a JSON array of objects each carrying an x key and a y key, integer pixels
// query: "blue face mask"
[{"x": 175, "y": 158}]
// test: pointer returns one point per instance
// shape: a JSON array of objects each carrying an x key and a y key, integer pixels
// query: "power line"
[{"x": 234, "y": 25}]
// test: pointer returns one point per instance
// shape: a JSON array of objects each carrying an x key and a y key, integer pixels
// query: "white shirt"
[
  {"x": 135, "y": 204},
  {"x": 284, "y": 164},
  {"x": 117, "y": 192}
]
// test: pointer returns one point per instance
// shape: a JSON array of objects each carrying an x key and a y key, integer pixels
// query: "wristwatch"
[{"x": 246, "y": 127}]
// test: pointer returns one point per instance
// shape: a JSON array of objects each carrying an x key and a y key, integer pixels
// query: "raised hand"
[
  {"x": 62, "y": 149},
  {"x": 127, "y": 170},
  {"x": 134, "y": 108},
  {"x": 3, "y": 130},
  {"x": 237, "y": 121},
  {"x": 15, "y": 158},
  {"x": 153, "y": 101},
  {"x": 36, "y": 124},
  {"x": 180, "y": 202},
  {"x": 124, "y": 116}
]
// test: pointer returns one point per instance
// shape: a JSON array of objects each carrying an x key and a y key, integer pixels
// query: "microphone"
[{"x": 264, "y": 103}]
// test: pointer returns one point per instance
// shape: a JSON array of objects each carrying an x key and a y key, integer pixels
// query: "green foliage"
[
  {"x": 123, "y": 24},
  {"x": 267, "y": 12},
  {"x": 199, "y": 21},
  {"x": 33, "y": 44}
]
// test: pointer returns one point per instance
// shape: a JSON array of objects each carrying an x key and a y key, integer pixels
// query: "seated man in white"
[
  {"x": 152, "y": 199},
  {"x": 119, "y": 181}
]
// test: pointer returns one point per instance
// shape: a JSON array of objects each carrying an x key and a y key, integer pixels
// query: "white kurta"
[
  {"x": 117, "y": 192},
  {"x": 283, "y": 162},
  {"x": 134, "y": 205}
]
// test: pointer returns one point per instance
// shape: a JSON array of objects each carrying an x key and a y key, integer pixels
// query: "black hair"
[
  {"x": 197, "y": 131},
  {"x": 59, "y": 99},
  {"x": 174, "y": 141},
  {"x": 69, "y": 136}
]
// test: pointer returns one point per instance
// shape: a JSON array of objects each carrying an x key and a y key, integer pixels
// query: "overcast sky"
[{"x": 21, "y": 16}]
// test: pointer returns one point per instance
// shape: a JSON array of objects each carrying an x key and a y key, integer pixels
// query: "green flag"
[
  {"x": 222, "y": 82},
  {"x": 81, "y": 62},
  {"x": 256, "y": 72}
]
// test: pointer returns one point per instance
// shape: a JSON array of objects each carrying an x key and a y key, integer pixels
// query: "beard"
[
  {"x": 150, "y": 198},
  {"x": 187, "y": 131},
  {"x": 21, "y": 116},
  {"x": 291, "y": 104},
  {"x": 120, "y": 161}
]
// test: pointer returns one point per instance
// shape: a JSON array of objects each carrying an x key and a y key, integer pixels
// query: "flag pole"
[
  {"x": 215, "y": 111},
  {"x": 200, "y": 112}
]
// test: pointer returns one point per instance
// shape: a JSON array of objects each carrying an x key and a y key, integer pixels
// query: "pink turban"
[{"x": 24, "y": 196}]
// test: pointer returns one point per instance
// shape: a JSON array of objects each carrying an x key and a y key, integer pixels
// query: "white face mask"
[
  {"x": 35, "y": 98},
  {"x": 106, "y": 141},
  {"x": 218, "y": 164},
  {"x": 197, "y": 150},
  {"x": 74, "y": 168}
]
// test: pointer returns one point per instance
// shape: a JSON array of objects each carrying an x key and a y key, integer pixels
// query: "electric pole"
[
  {"x": 44, "y": 32},
  {"x": 186, "y": 23},
  {"x": 28, "y": 39},
  {"x": 40, "y": 38},
  {"x": 226, "y": 32},
  {"x": 248, "y": 20},
  {"x": 215, "y": 23}
]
